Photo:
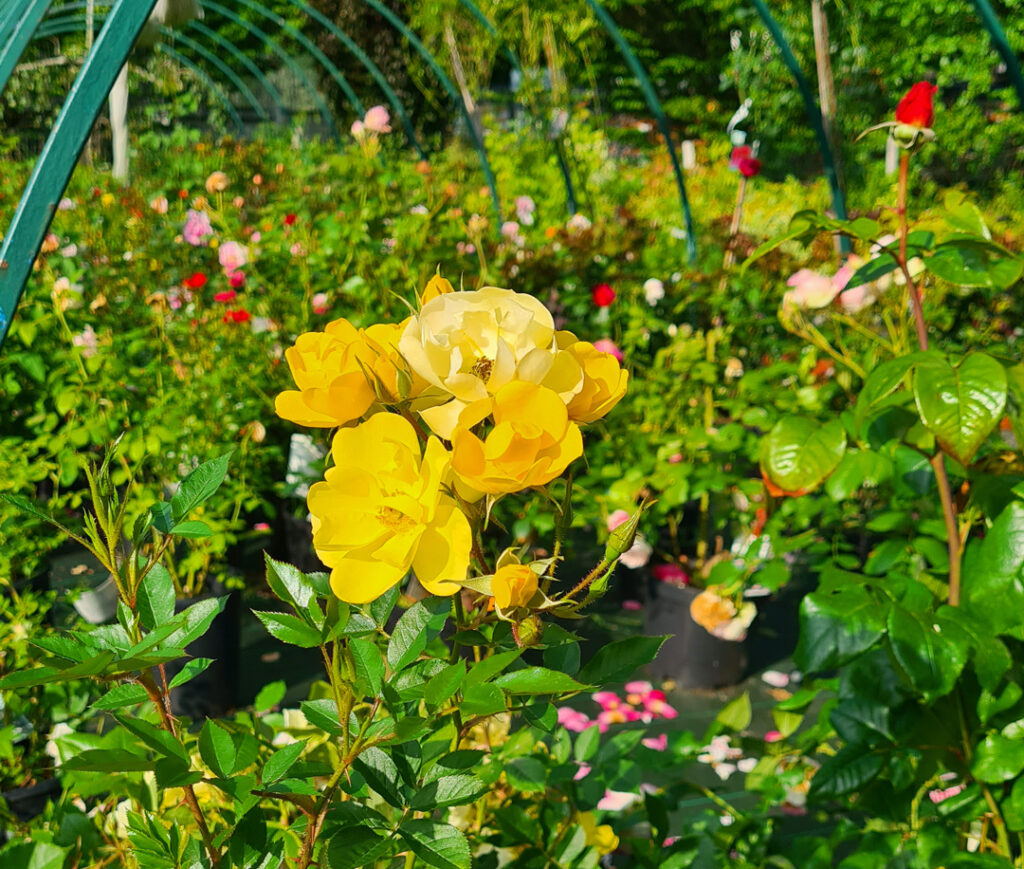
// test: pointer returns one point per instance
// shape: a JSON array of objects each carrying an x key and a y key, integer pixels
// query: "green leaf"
[
  {"x": 483, "y": 699},
  {"x": 193, "y": 622},
  {"x": 799, "y": 453},
  {"x": 289, "y": 583},
  {"x": 155, "y": 600},
  {"x": 443, "y": 685},
  {"x": 127, "y": 694},
  {"x": 380, "y": 609},
  {"x": 990, "y": 656},
  {"x": 270, "y": 695},
  {"x": 322, "y": 714},
  {"x": 193, "y": 529},
  {"x": 883, "y": 380},
  {"x": 859, "y": 720},
  {"x": 998, "y": 758},
  {"x": 993, "y": 578},
  {"x": 281, "y": 761},
  {"x": 448, "y": 790},
  {"x": 736, "y": 714},
  {"x": 198, "y": 486},
  {"x": 155, "y": 737},
  {"x": 932, "y": 657},
  {"x": 173, "y": 773},
  {"x": 191, "y": 669},
  {"x": 218, "y": 748},
  {"x": 975, "y": 263},
  {"x": 438, "y": 845},
  {"x": 851, "y": 768},
  {"x": 356, "y": 847},
  {"x": 418, "y": 626},
  {"x": 537, "y": 680},
  {"x": 381, "y": 775},
  {"x": 488, "y": 668},
  {"x": 837, "y": 624},
  {"x": 369, "y": 665},
  {"x": 163, "y": 516},
  {"x": 526, "y": 774},
  {"x": 962, "y": 405},
  {"x": 290, "y": 629},
  {"x": 586, "y": 744},
  {"x": 620, "y": 660},
  {"x": 104, "y": 760},
  {"x": 858, "y": 469}
]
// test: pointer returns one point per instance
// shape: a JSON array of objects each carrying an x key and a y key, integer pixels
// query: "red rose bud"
[
  {"x": 226, "y": 296},
  {"x": 239, "y": 315},
  {"x": 603, "y": 295},
  {"x": 749, "y": 166},
  {"x": 237, "y": 279},
  {"x": 289, "y": 219},
  {"x": 195, "y": 281},
  {"x": 915, "y": 109}
]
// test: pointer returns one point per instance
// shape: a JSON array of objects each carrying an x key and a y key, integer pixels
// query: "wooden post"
[{"x": 826, "y": 82}]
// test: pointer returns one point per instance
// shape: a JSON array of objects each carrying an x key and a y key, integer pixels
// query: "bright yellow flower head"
[
  {"x": 598, "y": 836},
  {"x": 382, "y": 510},
  {"x": 436, "y": 286},
  {"x": 513, "y": 585},
  {"x": 472, "y": 344},
  {"x": 331, "y": 369},
  {"x": 531, "y": 443},
  {"x": 604, "y": 383}
]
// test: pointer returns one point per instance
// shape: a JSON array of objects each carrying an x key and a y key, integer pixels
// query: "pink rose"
[
  {"x": 197, "y": 227},
  {"x": 377, "y": 120},
  {"x": 606, "y": 345},
  {"x": 232, "y": 256}
]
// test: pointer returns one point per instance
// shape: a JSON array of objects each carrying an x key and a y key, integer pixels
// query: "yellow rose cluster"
[{"x": 477, "y": 394}]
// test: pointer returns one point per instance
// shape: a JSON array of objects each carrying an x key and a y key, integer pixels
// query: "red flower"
[
  {"x": 740, "y": 152},
  {"x": 915, "y": 109},
  {"x": 749, "y": 166},
  {"x": 226, "y": 296},
  {"x": 238, "y": 315},
  {"x": 603, "y": 295},
  {"x": 196, "y": 281},
  {"x": 671, "y": 573},
  {"x": 289, "y": 219},
  {"x": 237, "y": 279},
  {"x": 182, "y": 194}
]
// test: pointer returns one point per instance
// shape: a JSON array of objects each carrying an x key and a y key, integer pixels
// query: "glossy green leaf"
[
  {"x": 448, "y": 790},
  {"x": 537, "y": 680},
  {"x": 281, "y": 761},
  {"x": 961, "y": 405},
  {"x": 993, "y": 578},
  {"x": 107, "y": 760},
  {"x": 799, "y": 453},
  {"x": 860, "y": 720},
  {"x": 443, "y": 685},
  {"x": 439, "y": 845},
  {"x": 998, "y": 758},
  {"x": 193, "y": 622},
  {"x": 851, "y": 768},
  {"x": 975, "y": 263},
  {"x": 322, "y": 714},
  {"x": 418, "y": 626},
  {"x": 198, "y": 486},
  {"x": 863, "y": 468},
  {"x": 620, "y": 660},
  {"x": 191, "y": 669},
  {"x": 483, "y": 699},
  {"x": 931, "y": 656},
  {"x": 381, "y": 775},
  {"x": 155, "y": 599},
  {"x": 288, "y": 583},
  {"x": 217, "y": 748},
  {"x": 357, "y": 847},
  {"x": 155, "y": 737},
  {"x": 120, "y": 696},
  {"x": 369, "y": 665},
  {"x": 270, "y": 695},
  {"x": 527, "y": 774},
  {"x": 736, "y": 714},
  {"x": 489, "y": 667},
  {"x": 193, "y": 529},
  {"x": 837, "y": 625},
  {"x": 290, "y": 629}
]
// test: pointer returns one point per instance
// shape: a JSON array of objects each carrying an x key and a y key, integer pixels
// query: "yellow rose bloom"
[
  {"x": 604, "y": 383},
  {"x": 436, "y": 286},
  {"x": 600, "y": 836},
  {"x": 471, "y": 344},
  {"x": 514, "y": 585},
  {"x": 382, "y": 509},
  {"x": 331, "y": 369},
  {"x": 531, "y": 443}
]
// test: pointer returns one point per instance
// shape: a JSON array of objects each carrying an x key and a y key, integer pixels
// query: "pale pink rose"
[
  {"x": 255, "y": 237},
  {"x": 197, "y": 227},
  {"x": 810, "y": 290},
  {"x": 657, "y": 743},
  {"x": 675, "y": 458},
  {"x": 606, "y": 345},
  {"x": 261, "y": 526},
  {"x": 616, "y": 801},
  {"x": 319, "y": 303},
  {"x": 510, "y": 230},
  {"x": 858, "y": 298},
  {"x": 638, "y": 554},
  {"x": 358, "y": 130},
  {"x": 159, "y": 204},
  {"x": 616, "y": 519},
  {"x": 573, "y": 720},
  {"x": 606, "y": 700},
  {"x": 524, "y": 210},
  {"x": 297, "y": 250},
  {"x": 377, "y": 120},
  {"x": 86, "y": 339},
  {"x": 639, "y": 687},
  {"x": 659, "y": 708},
  {"x": 940, "y": 795},
  {"x": 582, "y": 772},
  {"x": 232, "y": 256},
  {"x": 775, "y": 678},
  {"x": 747, "y": 764}
]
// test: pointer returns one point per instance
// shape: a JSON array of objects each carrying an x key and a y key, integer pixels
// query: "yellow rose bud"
[{"x": 514, "y": 585}]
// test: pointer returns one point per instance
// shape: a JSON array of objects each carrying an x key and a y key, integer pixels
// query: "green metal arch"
[
  {"x": 210, "y": 84},
  {"x": 325, "y": 112},
  {"x": 446, "y": 83},
  {"x": 813, "y": 114},
  {"x": 242, "y": 58},
  {"x": 16, "y": 32},
  {"x": 659, "y": 113},
  {"x": 50, "y": 177},
  {"x": 371, "y": 68},
  {"x": 1002, "y": 45},
  {"x": 173, "y": 37},
  {"x": 307, "y": 44}
]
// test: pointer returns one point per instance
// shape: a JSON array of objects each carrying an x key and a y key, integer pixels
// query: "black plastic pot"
[
  {"x": 214, "y": 691},
  {"x": 28, "y": 802},
  {"x": 691, "y": 657}
]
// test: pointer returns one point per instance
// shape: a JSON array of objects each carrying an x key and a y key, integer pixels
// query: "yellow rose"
[
  {"x": 383, "y": 509},
  {"x": 531, "y": 443},
  {"x": 513, "y": 585},
  {"x": 337, "y": 371},
  {"x": 436, "y": 286},
  {"x": 604, "y": 383},
  {"x": 217, "y": 182},
  {"x": 719, "y": 616},
  {"x": 598, "y": 836},
  {"x": 471, "y": 344}
]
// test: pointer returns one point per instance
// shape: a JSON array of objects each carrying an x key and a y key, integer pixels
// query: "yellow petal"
[
  {"x": 442, "y": 559},
  {"x": 356, "y": 580}
]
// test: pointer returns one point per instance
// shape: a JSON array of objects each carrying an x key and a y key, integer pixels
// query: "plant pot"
[
  {"x": 691, "y": 657},
  {"x": 28, "y": 802},
  {"x": 213, "y": 692}
]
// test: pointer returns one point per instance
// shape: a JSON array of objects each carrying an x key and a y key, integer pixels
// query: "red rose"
[
  {"x": 915, "y": 109},
  {"x": 239, "y": 315},
  {"x": 289, "y": 219},
  {"x": 237, "y": 279},
  {"x": 671, "y": 573},
  {"x": 195, "y": 281},
  {"x": 748, "y": 166},
  {"x": 182, "y": 194},
  {"x": 740, "y": 152},
  {"x": 226, "y": 296},
  {"x": 603, "y": 295}
]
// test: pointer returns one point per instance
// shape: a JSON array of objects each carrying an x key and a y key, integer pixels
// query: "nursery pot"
[
  {"x": 691, "y": 657},
  {"x": 213, "y": 692},
  {"x": 28, "y": 802}
]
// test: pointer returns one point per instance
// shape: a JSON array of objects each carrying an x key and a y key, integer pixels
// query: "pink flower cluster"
[{"x": 643, "y": 702}]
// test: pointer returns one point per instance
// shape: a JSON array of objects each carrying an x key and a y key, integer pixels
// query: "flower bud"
[{"x": 622, "y": 537}]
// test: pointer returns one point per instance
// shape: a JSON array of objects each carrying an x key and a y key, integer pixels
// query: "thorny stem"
[{"x": 937, "y": 461}]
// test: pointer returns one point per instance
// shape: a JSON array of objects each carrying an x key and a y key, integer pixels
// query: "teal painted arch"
[
  {"x": 447, "y": 84},
  {"x": 208, "y": 82},
  {"x": 370, "y": 67},
  {"x": 285, "y": 58},
  {"x": 16, "y": 31},
  {"x": 1002, "y": 45}
]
